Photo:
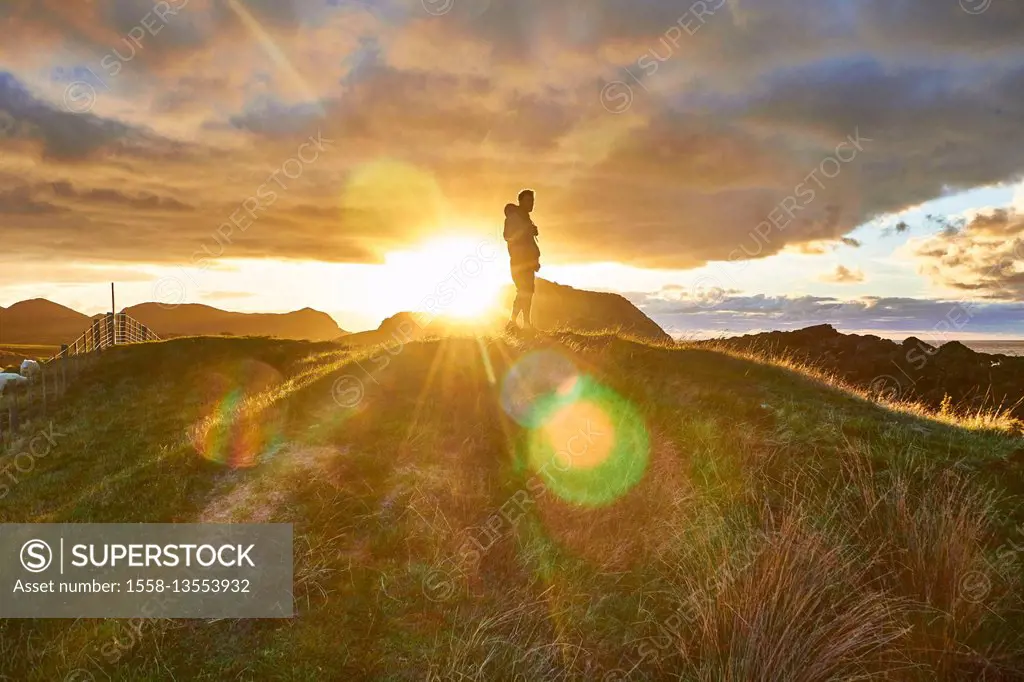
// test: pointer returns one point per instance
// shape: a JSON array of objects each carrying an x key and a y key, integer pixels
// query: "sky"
[{"x": 728, "y": 165}]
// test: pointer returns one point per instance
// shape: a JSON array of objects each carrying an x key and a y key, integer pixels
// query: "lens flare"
[
  {"x": 584, "y": 432},
  {"x": 535, "y": 381},
  {"x": 591, "y": 446},
  {"x": 388, "y": 193},
  {"x": 585, "y": 442},
  {"x": 242, "y": 426}
]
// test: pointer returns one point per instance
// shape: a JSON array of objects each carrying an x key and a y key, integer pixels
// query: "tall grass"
[
  {"x": 798, "y": 608},
  {"x": 983, "y": 418},
  {"x": 932, "y": 535}
]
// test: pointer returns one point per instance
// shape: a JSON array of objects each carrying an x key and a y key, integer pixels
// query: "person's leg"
[
  {"x": 516, "y": 308},
  {"x": 527, "y": 311},
  {"x": 527, "y": 304}
]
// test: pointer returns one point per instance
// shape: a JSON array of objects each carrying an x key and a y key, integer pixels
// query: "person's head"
[
  {"x": 526, "y": 200},
  {"x": 510, "y": 210}
]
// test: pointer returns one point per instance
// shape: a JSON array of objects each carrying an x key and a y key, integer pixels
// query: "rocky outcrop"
[
  {"x": 556, "y": 306},
  {"x": 913, "y": 369}
]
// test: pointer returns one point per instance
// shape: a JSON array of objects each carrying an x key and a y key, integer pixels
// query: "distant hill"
[
  {"x": 201, "y": 320},
  {"x": 39, "y": 321},
  {"x": 42, "y": 322}
]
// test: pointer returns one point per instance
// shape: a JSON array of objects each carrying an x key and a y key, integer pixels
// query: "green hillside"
[{"x": 565, "y": 507}]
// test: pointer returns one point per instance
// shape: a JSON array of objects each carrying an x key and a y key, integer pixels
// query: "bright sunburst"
[{"x": 452, "y": 276}]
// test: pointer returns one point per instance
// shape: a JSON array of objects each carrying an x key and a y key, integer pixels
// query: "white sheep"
[
  {"x": 29, "y": 368},
  {"x": 11, "y": 378}
]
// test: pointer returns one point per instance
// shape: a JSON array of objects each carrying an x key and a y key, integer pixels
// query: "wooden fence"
[{"x": 35, "y": 400}]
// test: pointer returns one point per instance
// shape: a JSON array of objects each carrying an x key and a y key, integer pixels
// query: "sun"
[{"x": 455, "y": 276}]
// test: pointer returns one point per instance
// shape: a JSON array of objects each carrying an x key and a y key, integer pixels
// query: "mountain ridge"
[
  {"x": 41, "y": 321},
  {"x": 205, "y": 320}
]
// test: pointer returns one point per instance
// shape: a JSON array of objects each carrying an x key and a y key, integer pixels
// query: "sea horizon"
[
  {"x": 991, "y": 346},
  {"x": 997, "y": 347}
]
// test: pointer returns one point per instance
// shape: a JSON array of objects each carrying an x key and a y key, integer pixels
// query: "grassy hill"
[
  {"x": 39, "y": 321},
  {"x": 565, "y": 507}
]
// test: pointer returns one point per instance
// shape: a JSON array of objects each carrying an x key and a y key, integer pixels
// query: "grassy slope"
[{"x": 784, "y": 529}]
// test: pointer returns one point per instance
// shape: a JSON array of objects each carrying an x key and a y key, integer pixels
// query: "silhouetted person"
[{"x": 524, "y": 255}]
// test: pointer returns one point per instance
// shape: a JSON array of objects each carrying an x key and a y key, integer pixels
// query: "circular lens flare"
[
  {"x": 581, "y": 434},
  {"x": 585, "y": 442},
  {"x": 242, "y": 426},
  {"x": 536, "y": 380}
]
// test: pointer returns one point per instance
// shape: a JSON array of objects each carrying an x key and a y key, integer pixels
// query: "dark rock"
[
  {"x": 957, "y": 349},
  {"x": 556, "y": 306},
  {"x": 817, "y": 332},
  {"x": 914, "y": 342},
  {"x": 912, "y": 370}
]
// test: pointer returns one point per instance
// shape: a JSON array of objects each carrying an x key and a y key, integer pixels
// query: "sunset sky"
[{"x": 729, "y": 165}]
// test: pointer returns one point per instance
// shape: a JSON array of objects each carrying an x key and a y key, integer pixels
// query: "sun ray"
[
  {"x": 486, "y": 360},
  {"x": 274, "y": 52},
  {"x": 435, "y": 365}
]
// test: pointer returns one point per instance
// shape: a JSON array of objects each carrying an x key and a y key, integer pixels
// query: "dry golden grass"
[
  {"x": 994, "y": 418},
  {"x": 795, "y": 606}
]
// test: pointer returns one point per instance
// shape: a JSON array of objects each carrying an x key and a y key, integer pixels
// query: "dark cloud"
[
  {"x": 911, "y": 25},
  {"x": 151, "y": 31},
  {"x": 729, "y": 147},
  {"x": 67, "y": 136},
  {"x": 63, "y": 197},
  {"x": 63, "y": 134},
  {"x": 141, "y": 201}
]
